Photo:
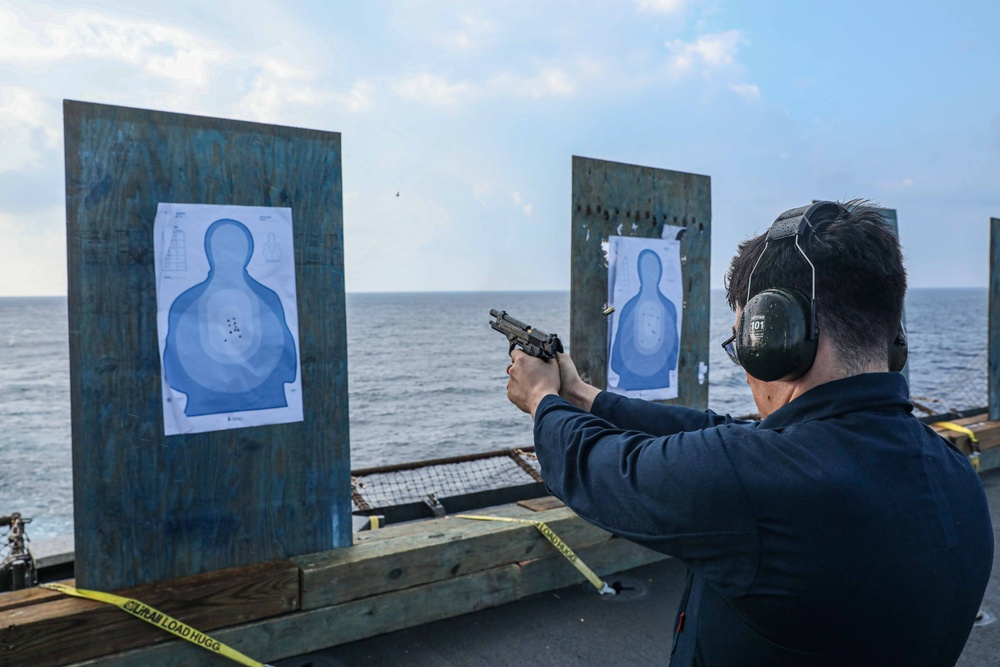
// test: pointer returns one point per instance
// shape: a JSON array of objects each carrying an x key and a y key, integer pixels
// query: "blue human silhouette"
[
  {"x": 645, "y": 349},
  {"x": 228, "y": 345}
]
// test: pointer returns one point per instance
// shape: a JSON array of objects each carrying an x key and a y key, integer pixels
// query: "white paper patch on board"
[
  {"x": 227, "y": 317},
  {"x": 644, "y": 331}
]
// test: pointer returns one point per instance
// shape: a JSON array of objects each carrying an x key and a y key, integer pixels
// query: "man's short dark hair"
[{"x": 860, "y": 280}]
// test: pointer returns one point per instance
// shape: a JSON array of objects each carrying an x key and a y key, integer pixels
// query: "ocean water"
[{"x": 426, "y": 380}]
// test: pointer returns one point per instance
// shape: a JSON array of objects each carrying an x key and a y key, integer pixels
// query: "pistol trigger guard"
[{"x": 511, "y": 348}]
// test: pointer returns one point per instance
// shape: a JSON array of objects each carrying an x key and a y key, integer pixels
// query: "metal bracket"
[{"x": 431, "y": 501}]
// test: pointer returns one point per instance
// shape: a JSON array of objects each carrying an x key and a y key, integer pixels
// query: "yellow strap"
[
  {"x": 561, "y": 546},
  {"x": 159, "y": 619},
  {"x": 952, "y": 426}
]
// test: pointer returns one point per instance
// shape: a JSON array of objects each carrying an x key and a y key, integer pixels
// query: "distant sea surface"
[{"x": 426, "y": 380}]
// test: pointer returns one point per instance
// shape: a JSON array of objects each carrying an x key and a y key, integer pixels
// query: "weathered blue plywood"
[
  {"x": 994, "y": 349},
  {"x": 614, "y": 199},
  {"x": 893, "y": 220},
  {"x": 150, "y": 507}
]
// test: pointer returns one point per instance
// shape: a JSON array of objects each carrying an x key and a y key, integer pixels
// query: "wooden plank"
[
  {"x": 295, "y": 634},
  {"x": 605, "y": 559},
  {"x": 973, "y": 420},
  {"x": 987, "y": 433},
  {"x": 29, "y": 596},
  {"x": 542, "y": 504},
  {"x": 446, "y": 549},
  {"x": 994, "y": 321},
  {"x": 424, "y": 526},
  {"x": 149, "y": 507},
  {"x": 987, "y": 440},
  {"x": 395, "y": 531},
  {"x": 613, "y": 199},
  {"x": 66, "y": 629}
]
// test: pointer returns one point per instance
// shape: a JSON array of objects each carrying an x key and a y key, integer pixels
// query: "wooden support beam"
[
  {"x": 541, "y": 504},
  {"x": 994, "y": 321},
  {"x": 437, "y": 550},
  {"x": 987, "y": 433},
  {"x": 408, "y": 575},
  {"x": 313, "y": 630},
  {"x": 29, "y": 596},
  {"x": 605, "y": 559},
  {"x": 60, "y": 630}
]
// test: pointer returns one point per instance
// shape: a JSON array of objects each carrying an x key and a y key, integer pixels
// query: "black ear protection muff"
[{"x": 778, "y": 331}]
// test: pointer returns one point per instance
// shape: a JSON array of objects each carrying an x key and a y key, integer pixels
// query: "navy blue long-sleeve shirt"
[{"x": 837, "y": 531}]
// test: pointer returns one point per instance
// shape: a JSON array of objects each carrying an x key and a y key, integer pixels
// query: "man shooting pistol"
[{"x": 534, "y": 342}]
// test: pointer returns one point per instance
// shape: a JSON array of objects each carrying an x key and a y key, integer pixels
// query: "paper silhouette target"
[
  {"x": 644, "y": 285},
  {"x": 228, "y": 323}
]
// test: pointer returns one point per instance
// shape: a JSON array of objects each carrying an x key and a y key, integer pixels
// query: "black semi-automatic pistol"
[{"x": 533, "y": 341}]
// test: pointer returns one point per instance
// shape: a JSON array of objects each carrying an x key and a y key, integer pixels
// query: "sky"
[{"x": 472, "y": 111}]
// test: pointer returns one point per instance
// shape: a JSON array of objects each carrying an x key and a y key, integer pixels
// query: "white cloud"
[
  {"x": 706, "y": 54},
  {"x": 29, "y": 127},
  {"x": 526, "y": 208},
  {"x": 661, "y": 6},
  {"x": 436, "y": 90},
  {"x": 549, "y": 82},
  {"x": 474, "y": 33},
  {"x": 137, "y": 61},
  {"x": 279, "y": 88},
  {"x": 359, "y": 98},
  {"x": 748, "y": 90},
  {"x": 432, "y": 89},
  {"x": 159, "y": 49}
]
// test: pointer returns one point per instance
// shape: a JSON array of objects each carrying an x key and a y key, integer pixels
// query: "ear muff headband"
[{"x": 779, "y": 330}]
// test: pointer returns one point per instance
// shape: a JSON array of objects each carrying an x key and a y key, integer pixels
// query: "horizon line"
[{"x": 487, "y": 291}]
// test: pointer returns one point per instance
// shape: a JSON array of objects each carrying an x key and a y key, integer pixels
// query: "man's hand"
[
  {"x": 572, "y": 387},
  {"x": 531, "y": 380}
]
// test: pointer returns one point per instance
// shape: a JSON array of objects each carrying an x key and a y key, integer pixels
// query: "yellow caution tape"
[
  {"x": 160, "y": 620},
  {"x": 952, "y": 426},
  {"x": 601, "y": 586}
]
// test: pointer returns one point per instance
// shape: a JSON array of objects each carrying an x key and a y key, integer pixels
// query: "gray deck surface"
[{"x": 575, "y": 626}]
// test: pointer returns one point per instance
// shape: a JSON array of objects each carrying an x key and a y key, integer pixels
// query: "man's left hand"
[{"x": 531, "y": 380}]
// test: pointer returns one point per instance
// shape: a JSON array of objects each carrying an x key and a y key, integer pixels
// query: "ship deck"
[{"x": 576, "y": 626}]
